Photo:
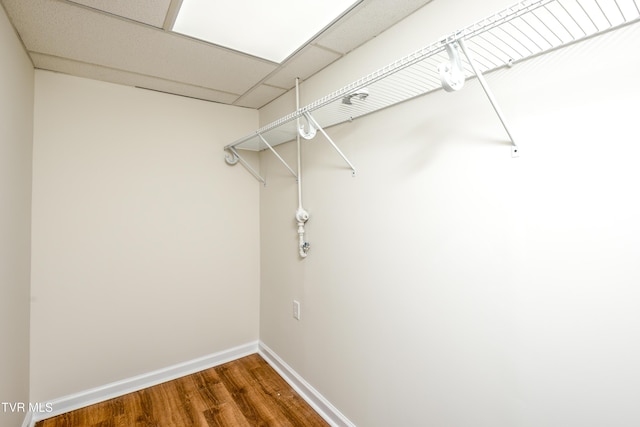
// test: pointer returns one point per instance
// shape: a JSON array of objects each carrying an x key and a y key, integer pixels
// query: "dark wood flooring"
[{"x": 245, "y": 392}]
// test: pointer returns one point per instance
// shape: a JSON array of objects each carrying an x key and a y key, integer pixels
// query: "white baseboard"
[
  {"x": 29, "y": 421},
  {"x": 129, "y": 385},
  {"x": 318, "y": 402}
]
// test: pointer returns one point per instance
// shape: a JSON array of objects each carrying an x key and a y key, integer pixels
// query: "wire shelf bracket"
[
  {"x": 485, "y": 86},
  {"x": 313, "y": 125},
  {"x": 277, "y": 155},
  {"x": 233, "y": 157},
  {"x": 519, "y": 32}
]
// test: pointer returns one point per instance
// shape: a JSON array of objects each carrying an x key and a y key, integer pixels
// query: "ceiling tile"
[
  {"x": 62, "y": 30},
  {"x": 151, "y": 12},
  {"x": 259, "y": 96},
  {"x": 308, "y": 62},
  {"x": 126, "y": 41},
  {"x": 97, "y": 72},
  {"x": 366, "y": 21}
]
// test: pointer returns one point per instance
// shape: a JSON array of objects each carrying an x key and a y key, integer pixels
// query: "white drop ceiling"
[{"x": 131, "y": 42}]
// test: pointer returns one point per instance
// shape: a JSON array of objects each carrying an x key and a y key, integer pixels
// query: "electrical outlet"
[{"x": 296, "y": 310}]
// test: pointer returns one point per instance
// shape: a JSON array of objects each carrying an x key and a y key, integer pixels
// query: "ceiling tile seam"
[
  {"x": 315, "y": 37},
  {"x": 328, "y": 49},
  {"x": 299, "y": 51},
  {"x": 172, "y": 14},
  {"x": 109, "y": 14},
  {"x": 279, "y": 68},
  {"x": 256, "y": 87},
  {"x": 261, "y": 83},
  {"x": 217, "y": 46},
  {"x": 187, "y": 96},
  {"x": 127, "y": 72},
  {"x": 274, "y": 86}
]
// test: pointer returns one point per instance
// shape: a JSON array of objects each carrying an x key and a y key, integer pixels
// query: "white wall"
[
  {"x": 449, "y": 284},
  {"x": 16, "y": 141},
  {"x": 145, "y": 243}
]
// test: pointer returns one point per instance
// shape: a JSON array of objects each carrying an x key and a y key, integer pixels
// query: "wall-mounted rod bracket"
[
  {"x": 307, "y": 134},
  {"x": 233, "y": 157},
  {"x": 514, "y": 147},
  {"x": 314, "y": 125},
  {"x": 277, "y": 155},
  {"x": 451, "y": 73}
]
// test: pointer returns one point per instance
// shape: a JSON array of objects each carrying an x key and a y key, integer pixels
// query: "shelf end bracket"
[{"x": 232, "y": 158}]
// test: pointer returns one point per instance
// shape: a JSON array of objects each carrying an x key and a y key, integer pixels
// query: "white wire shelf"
[{"x": 524, "y": 30}]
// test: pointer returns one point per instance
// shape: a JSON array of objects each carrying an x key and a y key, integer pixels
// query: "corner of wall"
[{"x": 16, "y": 143}]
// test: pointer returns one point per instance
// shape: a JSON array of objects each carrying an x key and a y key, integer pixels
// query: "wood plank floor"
[{"x": 246, "y": 392}]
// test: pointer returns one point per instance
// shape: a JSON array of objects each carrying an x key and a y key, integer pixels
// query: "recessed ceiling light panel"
[{"x": 271, "y": 29}]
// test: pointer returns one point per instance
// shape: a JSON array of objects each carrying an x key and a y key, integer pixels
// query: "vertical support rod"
[
  {"x": 333, "y": 144},
  {"x": 487, "y": 91},
  {"x": 299, "y": 175},
  {"x": 302, "y": 216}
]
